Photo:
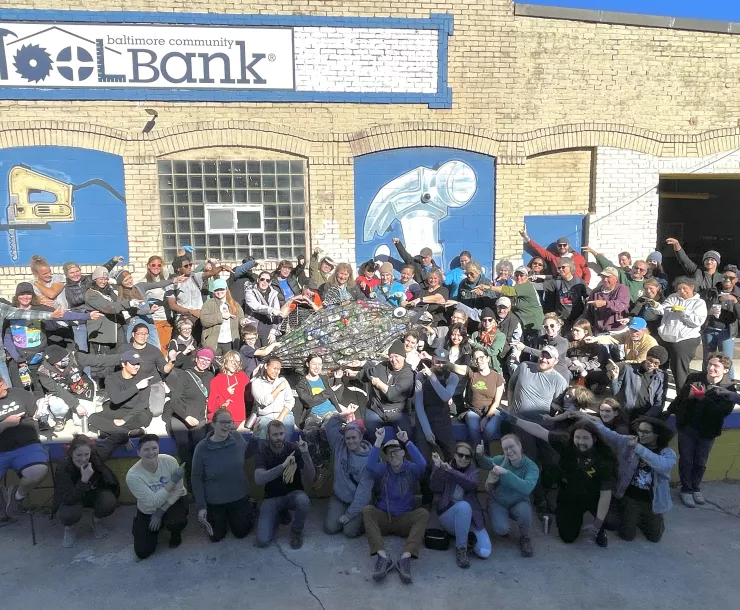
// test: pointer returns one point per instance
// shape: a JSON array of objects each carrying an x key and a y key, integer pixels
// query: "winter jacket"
[
  {"x": 293, "y": 281},
  {"x": 309, "y": 400},
  {"x": 511, "y": 327},
  {"x": 353, "y": 483},
  {"x": 705, "y": 415},
  {"x": 626, "y": 388},
  {"x": 187, "y": 399},
  {"x": 634, "y": 352},
  {"x": 567, "y": 298},
  {"x": 516, "y": 485},
  {"x": 400, "y": 386},
  {"x": 70, "y": 490},
  {"x": 704, "y": 281},
  {"x": 628, "y": 460},
  {"x": 420, "y": 272},
  {"x": 396, "y": 489},
  {"x": 444, "y": 482},
  {"x": 107, "y": 328},
  {"x": 525, "y": 304},
  {"x": 605, "y": 319},
  {"x": 211, "y": 319},
  {"x": 218, "y": 475},
  {"x": 681, "y": 325},
  {"x": 729, "y": 311},
  {"x": 314, "y": 270},
  {"x": 467, "y": 297},
  {"x": 582, "y": 269},
  {"x": 74, "y": 292}
]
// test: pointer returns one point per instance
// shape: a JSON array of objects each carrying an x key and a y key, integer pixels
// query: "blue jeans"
[
  {"x": 80, "y": 333},
  {"x": 492, "y": 429},
  {"x": 714, "y": 340},
  {"x": 458, "y": 520},
  {"x": 4, "y": 371},
  {"x": 399, "y": 419},
  {"x": 288, "y": 422},
  {"x": 153, "y": 336},
  {"x": 270, "y": 511},
  {"x": 500, "y": 516}
]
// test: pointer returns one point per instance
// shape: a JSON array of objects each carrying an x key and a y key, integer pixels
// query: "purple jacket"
[
  {"x": 445, "y": 481},
  {"x": 604, "y": 319}
]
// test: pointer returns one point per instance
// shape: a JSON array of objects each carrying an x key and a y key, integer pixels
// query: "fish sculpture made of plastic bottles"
[{"x": 342, "y": 333}]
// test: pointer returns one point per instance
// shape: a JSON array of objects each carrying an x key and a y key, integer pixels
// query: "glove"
[
  {"x": 188, "y": 249},
  {"x": 156, "y": 521}
]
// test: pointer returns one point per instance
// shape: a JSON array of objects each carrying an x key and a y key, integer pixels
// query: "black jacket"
[
  {"x": 420, "y": 273},
  {"x": 508, "y": 326},
  {"x": 186, "y": 397},
  {"x": 294, "y": 282},
  {"x": 400, "y": 390},
  {"x": 704, "y": 281},
  {"x": 309, "y": 400},
  {"x": 565, "y": 298},
  {"x": 70, "y": 490},
  {"x": 729, "y": 314},
  {"x": 705, "y": 415}
]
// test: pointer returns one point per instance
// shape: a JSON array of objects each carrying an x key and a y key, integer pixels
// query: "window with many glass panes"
[{"x": 232, "y": 209}]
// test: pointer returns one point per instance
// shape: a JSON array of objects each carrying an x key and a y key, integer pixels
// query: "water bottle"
[
  {"x": 83, "y": 422},
  {"x": 546, "y": 524}
]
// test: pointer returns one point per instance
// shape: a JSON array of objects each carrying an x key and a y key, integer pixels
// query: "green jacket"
[
  {"x": 494, "y": 350},
  {"x": 516, "y": 485},
  {"x": 634, "y": 286},
  {"x": 525, "y": 304}
]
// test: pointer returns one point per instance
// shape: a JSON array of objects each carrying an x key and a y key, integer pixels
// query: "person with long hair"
[
  {"x": 460, "y": 513},
  {"x": 587, "y": 360},
  {"x": 340, "y": 287},
  {"x": 273, "y": 397},
  {"x": 47, "y": 286},
  {"x": 220, "y": 317},
  {"x": 156, "y": 296},
  {"x": 83, "y": 481},
  {"x": 587, "y": 476},
  {"x": 228, "y": 389},
  {"x": 433, "y": 297},
  {"x": 489, "y": 338},
  {"x": 182, "y": 346},
  {"x": 25, "y": 339}
]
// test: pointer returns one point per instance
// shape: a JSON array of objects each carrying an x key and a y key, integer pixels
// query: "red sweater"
[
  {"x": 582, "y": 269},
  {"x": 228, "y": 391}
]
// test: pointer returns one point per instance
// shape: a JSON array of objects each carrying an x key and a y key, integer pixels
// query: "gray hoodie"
[
  {"x": 218, "y": 475},
  {"x": 353, "y": 484}
]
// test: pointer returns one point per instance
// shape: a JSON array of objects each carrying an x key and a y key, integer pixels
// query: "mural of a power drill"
[{"x": 36, "y": 200}]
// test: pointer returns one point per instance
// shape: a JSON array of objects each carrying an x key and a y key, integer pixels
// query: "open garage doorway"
[{"x": 703, "y": 213}]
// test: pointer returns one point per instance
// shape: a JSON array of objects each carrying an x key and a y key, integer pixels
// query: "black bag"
[{"x": 436, "y": 539}]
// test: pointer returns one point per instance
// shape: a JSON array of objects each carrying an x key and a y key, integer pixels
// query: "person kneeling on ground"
[
  {"x": 20, "y": 448},
  {"x": 643, "y": 476},
  {"x": 353, "y": 484},
  {"x": 458, "y": 508},
  {"x": 395, "y": 512},
  {"x": 156, "y": 481},
  {"x": 83, "y": 481},
  {"x": 512, "y": 478},
  {"x": 587, "y": 473},
  {"x": 284, "y": 473},
  {"x": 219, "y": 482}
]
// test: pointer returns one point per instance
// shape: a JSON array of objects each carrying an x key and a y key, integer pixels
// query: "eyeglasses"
[
  {"x": 463, "y": 456},
  {"x": 537, "y": 264},
  {"x": 226, "y": 422},
  {"x": 643, "y": 431},
  {"x": 549, "y": 326},
  {"x": 729, "y": 277},
  {"x": 264, "y": 279},
  {"x": 186, "y": 265}
]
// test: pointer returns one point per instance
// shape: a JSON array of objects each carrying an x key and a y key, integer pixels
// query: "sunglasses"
[
  {"x": 186, "y": 265},
  {"x": 463, "y": 456},
  {"x": 226, "y": 422},
  {"x": 264, "y": 279},
  {"x": 564, "y": 267},
  {"x": 486, "y": 319},
  {"x": 729, "y": 277},
  {"x": 155, "y": 265},
  {"x": 544, "y": 357},
  {"x": 537, "y": 265},
  {"x": 549, "y": 326},
  {"x": 562, "y": 245}
]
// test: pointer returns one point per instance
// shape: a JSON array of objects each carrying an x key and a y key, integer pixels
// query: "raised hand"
[
  {"x": 402, "y": 436},
  {"x": 479, "y": 448},
  {"x": 436, "y": 461},
  {"x": 302, "y": 445},
  {"x": 379, "y": 436},
  {"x": 672, "y": 241},
  {"x": 144, "y": 383}
]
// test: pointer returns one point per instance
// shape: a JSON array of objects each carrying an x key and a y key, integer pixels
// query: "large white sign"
[{"x": 123, "y": 56}]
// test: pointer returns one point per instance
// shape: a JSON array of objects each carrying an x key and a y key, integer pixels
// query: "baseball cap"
[
  {"x": 441, "y": 356},
  {"x": 521, "y": 270},
  {"x": 131, "y": 357},
  {"x": 425, "y": 252},
  {"x": 24, "y": 288},
  {"x": 563, "y": 240},
  {"x": 637, "y": 324},
  {"x": 219, "y": 284},
  {"x": 503, "y": 302},
  {"x": 390, "y": 444},
  {"x": 551, "y": 350},
  {"x": 609, "y": 271}
]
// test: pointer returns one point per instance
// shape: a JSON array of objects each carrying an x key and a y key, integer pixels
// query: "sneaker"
[
  {"x": 175, "y": 539},
  {"x": 461, "y": 556},
  {"x": 698, "y": 498},
  {"x": 285, "y": 517},
  {"x": 601, "y": 539},
  {"x": 404, "y": 569},
  {"x": 688, "y": 500},
  {"x": 59, "y": 425},
  {"x": 70, "y": 537},
  {"x": 525, "y": 546},
  {"x": 14, "y": 507},
  {"x": 296, "y": 540},
  {"x": 383, "y": 565},
  {"x": 100, "y": 531}
]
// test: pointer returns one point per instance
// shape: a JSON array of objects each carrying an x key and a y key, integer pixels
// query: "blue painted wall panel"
[
  {"x": 545, "y": 230},
  {"x": 467, "y": 224}
]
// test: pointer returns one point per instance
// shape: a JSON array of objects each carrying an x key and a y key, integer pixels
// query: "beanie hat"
[
  {"x": 55, "y": 353},
  {"x": 219, "y": 284},
  {"x": 386, "y": 268},
  {"x": 425, "y": 252},
  {"x": 397, "y": 348},
  {"x": 487, "y": 313},
  {"x": 205, "y": 352},
  {"x": 711, "y": 254},
  {"x": 24, "y": 288},
  {"x": 99, "y": 272},
  {"x": 658, "y": 352},
  {"x": 655, "y": 256},
  {"x": 70, "y": 265}
]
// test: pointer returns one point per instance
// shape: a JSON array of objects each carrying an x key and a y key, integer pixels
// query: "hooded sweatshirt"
[
  {"x": 218, "y": 469},
  {"x": 683, "y": 324},
  {"x": 353, "y": 484},
  {"x": 396, "y": 489},
  {"x": 518, "y": 482}
]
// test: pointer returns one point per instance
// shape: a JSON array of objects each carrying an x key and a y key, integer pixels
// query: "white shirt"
[{"x": 267, "y": 405}]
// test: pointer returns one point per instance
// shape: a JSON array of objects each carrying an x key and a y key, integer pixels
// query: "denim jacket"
[{"x": 629, "y": 459}]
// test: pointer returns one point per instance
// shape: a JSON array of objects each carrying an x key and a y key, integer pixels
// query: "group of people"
[{"x": 573, "y": 380}]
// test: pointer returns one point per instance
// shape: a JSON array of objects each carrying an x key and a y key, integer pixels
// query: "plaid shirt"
[{"x": 8, "y": 312}]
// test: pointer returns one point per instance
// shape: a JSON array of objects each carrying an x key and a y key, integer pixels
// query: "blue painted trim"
[{"x": 443, "y": 23}]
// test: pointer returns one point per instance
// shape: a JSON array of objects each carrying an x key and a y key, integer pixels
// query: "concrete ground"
[{"x": 695, "y": 566}]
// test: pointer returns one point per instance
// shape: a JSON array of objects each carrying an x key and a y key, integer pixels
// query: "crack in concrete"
[{"x": 305, "y": 576}]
